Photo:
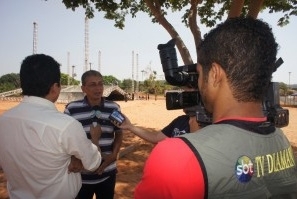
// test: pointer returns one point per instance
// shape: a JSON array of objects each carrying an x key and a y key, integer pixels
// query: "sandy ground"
[{"x": 153, "y": 116}]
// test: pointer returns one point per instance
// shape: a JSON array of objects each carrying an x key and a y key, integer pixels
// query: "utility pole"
[
  {"x": 86, "y": 43},
  {"x": 289, "y": 80},
  {"x": 137, "y": 82},
  {"x": 289, "y": 87},
  {"x": 73, "y": 73},
  {"x": 143, "y": 71},
  {"x": 132, "y": 89},
  {"x": 68, "y": 68},
  {"x": 34, "y": 38},
  {"x": 99, "y": 61}
]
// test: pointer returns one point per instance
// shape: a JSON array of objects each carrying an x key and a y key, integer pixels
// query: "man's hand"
[
  {"x": 106, "y": 160},
  {"x": 96, "y": 132},
  {"x": 75, "y": 165},
  {"x": 194, "y": 125},
  {"x": 126, "y": 125}
]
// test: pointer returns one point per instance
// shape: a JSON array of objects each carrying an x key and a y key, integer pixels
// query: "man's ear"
[
  {"x": 216, "y": 74},
  {"x": 56, "y": 88},
  {"x": 54, "y": 92},
  {"x": 82, "y": 88}
]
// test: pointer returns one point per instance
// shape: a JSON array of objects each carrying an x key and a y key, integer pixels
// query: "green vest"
[{"x": 242, "y": 164}]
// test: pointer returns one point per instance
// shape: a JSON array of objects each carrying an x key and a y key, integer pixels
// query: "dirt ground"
[{"x": 153, "y": 116}]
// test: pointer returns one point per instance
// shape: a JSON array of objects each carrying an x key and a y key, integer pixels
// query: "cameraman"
[{"x": 241, "y": 155}]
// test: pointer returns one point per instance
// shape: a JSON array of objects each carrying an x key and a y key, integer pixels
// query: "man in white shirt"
[{"x": 37, "y": 141}]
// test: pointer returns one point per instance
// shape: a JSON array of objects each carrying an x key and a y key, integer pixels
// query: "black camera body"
[
  {"x": 272, "y": 109},
  {"x": 187, "y": 76},
  {"x": 182, "y": 76}
]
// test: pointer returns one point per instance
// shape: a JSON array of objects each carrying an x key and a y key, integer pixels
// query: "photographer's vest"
[{"x": 242, "y": 164}]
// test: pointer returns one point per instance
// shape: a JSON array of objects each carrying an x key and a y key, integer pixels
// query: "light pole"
[
  {"x": 73, "y": 73},
  {"x": 289, "y": 86},
  {"x": 289, "y": 79},
  {"x": 142, "y": 73}
]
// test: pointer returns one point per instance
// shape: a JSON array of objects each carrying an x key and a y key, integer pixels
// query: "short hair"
[
  {"x": 246, "y": 49},
  {"x": 88, "y": 74},
  {"x": 38, "y": 73}
]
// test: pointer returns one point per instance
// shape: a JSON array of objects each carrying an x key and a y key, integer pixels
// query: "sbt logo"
[{"x": 244, "y": 169}]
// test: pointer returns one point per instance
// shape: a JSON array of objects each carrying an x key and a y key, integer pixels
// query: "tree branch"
[{"x": 156, "y": 11}]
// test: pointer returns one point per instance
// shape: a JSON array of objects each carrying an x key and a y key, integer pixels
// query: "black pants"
[{"x": 103, "y": 190}]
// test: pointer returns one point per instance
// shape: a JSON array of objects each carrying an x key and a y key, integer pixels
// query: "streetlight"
[
  {"x": 289, "y": 79},
  {"x": 142, "y": 73},
  {"x": 73, "y": 73},
  {"x": 289, "y": 86}
]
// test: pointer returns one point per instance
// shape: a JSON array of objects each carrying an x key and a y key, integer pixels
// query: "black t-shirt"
[{"x": 177, "y": 127}]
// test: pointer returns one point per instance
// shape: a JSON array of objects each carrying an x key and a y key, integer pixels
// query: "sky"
[{"x": 61, "y": 34}]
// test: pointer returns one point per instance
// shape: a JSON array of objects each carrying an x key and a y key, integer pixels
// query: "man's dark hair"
[
  {"x": 246, "y": 49},
  {"x": 88, "y": 74},
  {"x": 38, "y": 73}
]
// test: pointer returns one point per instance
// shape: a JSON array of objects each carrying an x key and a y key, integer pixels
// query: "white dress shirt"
[{"x": 36, "y": 144}]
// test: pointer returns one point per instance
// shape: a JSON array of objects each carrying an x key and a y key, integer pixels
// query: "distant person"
[
  {"x": 180, "y": 125},
  {"x": 37, "y": 141},
  {"x": 126, "y": 97},
  {"x": 241, "y": 155},
  {"x": 92, "y": 112}
]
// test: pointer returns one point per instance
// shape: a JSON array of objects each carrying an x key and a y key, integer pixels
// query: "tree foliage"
[
  {"x": 9, "y": 82},
  {"x": 68, "y": 80},
  {"x": 283, "y": 88},
  {"x": 12, "y": 81},
  {"x": 208, "y": 11},
  {"x": 110, "y": 80},
  {"x": 12, "y": 78},
  {"x": 126, "y": 85},
  {"x": 6, "y": 87}
]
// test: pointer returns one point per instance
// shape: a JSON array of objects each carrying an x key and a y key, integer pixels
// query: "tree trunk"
[
  {"x": 237, "y": 5},
  {"x": 156, "y": 11},
  {"x": 193, "y": 23},
  {"x": 254, "y": 8},
  {"x": 235, "y": 9}
]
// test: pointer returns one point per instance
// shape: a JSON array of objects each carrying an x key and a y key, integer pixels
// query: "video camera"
[
  {"x": 182, "y": 76},
  {"x": 187, "y": 76}
]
